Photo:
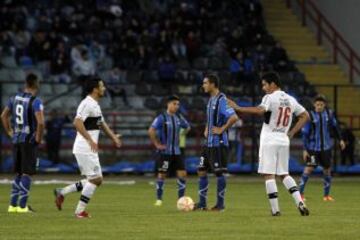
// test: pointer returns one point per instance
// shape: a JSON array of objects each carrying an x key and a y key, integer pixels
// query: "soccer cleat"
[
  {"x": 198, "y": 207},
  {"x": 303, "y": 209},
  {"x": 158, "y": 203},
  {"x": 303, "y": 197},
  {"x": 277, "y": 214},
  {"x": 217, "y": 209},
  {"x": 82, "y": 214},
  {"x": 12, "y": 209},
  {"x": 26, "y": 209},
  {"x": 59, "y": 199},
  {"x": 328, "y": 198}
]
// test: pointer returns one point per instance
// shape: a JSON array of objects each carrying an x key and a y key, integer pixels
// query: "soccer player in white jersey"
[
  {"x": 278, "y": 108},
  {"x": 88, "y": 122}
]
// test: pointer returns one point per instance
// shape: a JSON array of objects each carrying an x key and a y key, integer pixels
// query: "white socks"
[
  {"x": 75, "y": 187},
  {"x": 86, "y": 195},
  {"x": 290, "y": 185},
  {"x": 272, "y": 192}
]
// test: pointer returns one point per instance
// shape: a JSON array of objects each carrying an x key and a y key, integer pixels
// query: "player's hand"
[
  {"x": 290, "y": 135},
  {"x": 160, "y": 146},
  {"x": 232, "y": 104},
  {"x": 94, "y": 147},
  {"x": 342, "y": 145},
  {"x": 37, "y": 140},
  {"x": 10, "y": 133},
  {"x": 305, "y": 155},
  {"x": 217, "y": 130},
  {"x": 117, "y": 140},
  {"x": 205, "y": 133}
]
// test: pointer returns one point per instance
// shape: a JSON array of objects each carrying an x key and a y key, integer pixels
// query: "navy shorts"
[{"x": 25, "y": 158}]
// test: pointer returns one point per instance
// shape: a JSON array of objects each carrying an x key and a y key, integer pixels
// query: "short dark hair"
[
  {"x": 172, "y": 98},
  {"x": 271, "y": 77},
  {"x": 91, "y": 83},
  {"x": 320, "y": 98},
  {"x": 213, "y": 78},
  {"x": 32, "y": 81}
]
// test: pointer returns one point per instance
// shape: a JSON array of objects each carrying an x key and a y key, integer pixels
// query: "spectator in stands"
[
  {"x": 192, "y": 43},
  {"x": 166, "y": 71},
  {"x": 60, "y": 63},
  {"x": 278, "y": 58},
  {"x": 113, "y": 80},
  {"x": 21, "y": 39},
  {"x": 348, "y": 152},
  {"x": 54, "y": 126},
  {"x": 178, "y": 48},
  {"x": 83, "y": 69}
]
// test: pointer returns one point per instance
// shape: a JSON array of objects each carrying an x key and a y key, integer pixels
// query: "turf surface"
[{"x": 127, "y": 212}]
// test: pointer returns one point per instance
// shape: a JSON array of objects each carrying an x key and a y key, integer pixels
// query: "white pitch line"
[{"x": 57, "y": 181}]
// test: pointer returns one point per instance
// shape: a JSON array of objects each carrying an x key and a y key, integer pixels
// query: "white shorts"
[
  {"x": 89, "y": 164},
  {"x": 273, "y": 159}
]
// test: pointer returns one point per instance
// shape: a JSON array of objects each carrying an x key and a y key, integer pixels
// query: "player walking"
[{"x": 88, "y": 122}]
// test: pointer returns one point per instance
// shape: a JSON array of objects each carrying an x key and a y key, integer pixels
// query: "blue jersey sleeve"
[
  {"x": 306, "y": 134},
  {"x": 10, "y": 103},
  {"x": 37, "y": 105},
  {"x": 224, "y": 108},
  {"x": 158, "y": 122},
  {"x": 183, "y": 122}
]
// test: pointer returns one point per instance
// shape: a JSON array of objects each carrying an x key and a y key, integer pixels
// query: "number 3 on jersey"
[{"x": 283, "y": 117}]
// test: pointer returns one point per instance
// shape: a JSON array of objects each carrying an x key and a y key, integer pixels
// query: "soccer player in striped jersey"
[
  {"x": 278, "y": 108},
  {"x": 164, "y": 133},
  {"x": 88, "y": 122},
  {"x": 220, "y": 117},
  {"x": 23, "y": 121},
  {"x": 318, "y": 144}
]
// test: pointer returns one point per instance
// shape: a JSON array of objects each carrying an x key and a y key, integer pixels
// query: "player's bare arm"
[
  {"x": 5, "y": 119},
  {"x": 302, "y": 119},
  {"x": 155, "y": 140},
  {"x": 229, "y": 123},
  {"x": 80, "y": 127},
  {"x": 40, "y": 126},
  {"x": 110, "y": 133},
  {"x": 246, "y": 110},
  {"x": 206, "y": 131}
]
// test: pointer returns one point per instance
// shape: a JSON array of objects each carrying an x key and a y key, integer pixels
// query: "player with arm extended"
[
  {"x": 318, "y": 144},
  {"x": 278, "y": 108},
  {"x": 88, "y": 122},
  {"x": 164, "y": 133},
  {"x": 220, "y": 117},
  {"x": 23, "y": 121}
]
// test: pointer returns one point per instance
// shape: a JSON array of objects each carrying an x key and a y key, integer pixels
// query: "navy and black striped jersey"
[
  {"x": 317, "y": 132},
  {"x": 23, "y": 107},
  {"x": 168, "y": 129},
  {"x": 218, "y": 112}
]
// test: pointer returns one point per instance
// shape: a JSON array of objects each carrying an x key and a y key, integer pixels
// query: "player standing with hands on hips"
[
  {"x": 88, "y": 122},
  {"x": 278, "y": 108},
  {"x": 26, "y": 130},
  {"x": 220, "y": 117},
  {"x": 164, "y": 133}
]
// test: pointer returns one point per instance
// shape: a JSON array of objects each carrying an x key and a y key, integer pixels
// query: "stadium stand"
[{"x": 150, "y": 51}]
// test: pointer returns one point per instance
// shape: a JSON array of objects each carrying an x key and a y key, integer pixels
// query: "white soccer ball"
[{"x": 185, "y": 204}]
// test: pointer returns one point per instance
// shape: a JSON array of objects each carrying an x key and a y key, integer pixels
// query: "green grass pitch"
[{"x": 127, "y": 212}]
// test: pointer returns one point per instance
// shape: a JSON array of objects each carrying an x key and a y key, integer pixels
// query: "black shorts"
[
  {"x": 163, "y": 163},
  {"x": 214, "y": 159},
  {"x": 322, "y": 158},
  {"x": 25, "y": 158}
]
